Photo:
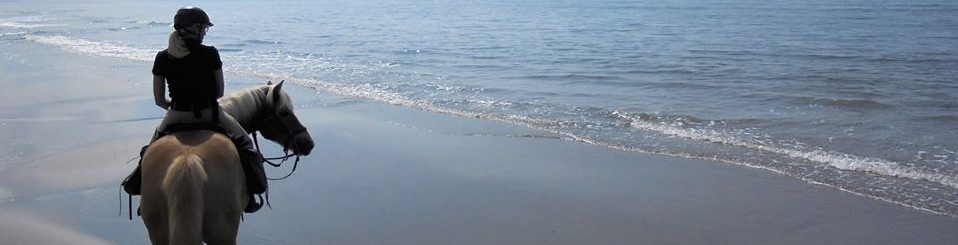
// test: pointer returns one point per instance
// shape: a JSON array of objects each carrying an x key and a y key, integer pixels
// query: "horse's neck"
[{"x": 245, "y": 106}]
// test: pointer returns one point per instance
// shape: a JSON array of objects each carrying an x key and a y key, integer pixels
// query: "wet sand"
[{"x": 383, "y": 174}]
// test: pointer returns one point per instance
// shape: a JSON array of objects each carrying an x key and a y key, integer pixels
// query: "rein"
[{"x": 269, "y": 160}]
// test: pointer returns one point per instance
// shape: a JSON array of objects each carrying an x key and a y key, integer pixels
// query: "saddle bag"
[
  {"x": 133, "y": 181},
  {"x": 255, "y": 173}
]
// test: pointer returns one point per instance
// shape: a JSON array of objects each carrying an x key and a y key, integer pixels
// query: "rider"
[{"x": 194, "y": 74}]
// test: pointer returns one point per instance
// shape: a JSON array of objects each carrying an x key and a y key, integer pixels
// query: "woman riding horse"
[
  {"x": 194, "y": 189},
  {"x": 196, "y": 182},
  {"x": 194, "y": 74}
]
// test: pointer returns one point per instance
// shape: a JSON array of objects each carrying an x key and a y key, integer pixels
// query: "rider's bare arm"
[
  {"x": 219, "y": 83},
  {"x": 159, "y": 92}
]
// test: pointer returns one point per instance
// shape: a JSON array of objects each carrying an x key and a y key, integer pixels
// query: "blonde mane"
[{"x": 245, "y": 105}]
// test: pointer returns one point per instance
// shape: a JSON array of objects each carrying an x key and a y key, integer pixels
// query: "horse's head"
[{"x": 282, "y": 126}]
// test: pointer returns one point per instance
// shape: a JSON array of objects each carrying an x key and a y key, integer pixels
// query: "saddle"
[{"x": 252, "y": 163}]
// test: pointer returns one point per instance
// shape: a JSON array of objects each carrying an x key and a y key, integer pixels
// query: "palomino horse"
[{"x": 194, "y": 188}]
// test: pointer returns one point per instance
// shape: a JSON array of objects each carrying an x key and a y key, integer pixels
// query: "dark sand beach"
[{"x": 384, "y": 174}]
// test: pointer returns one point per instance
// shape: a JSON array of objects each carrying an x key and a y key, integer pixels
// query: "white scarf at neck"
[{"x": 177, "y": 47}]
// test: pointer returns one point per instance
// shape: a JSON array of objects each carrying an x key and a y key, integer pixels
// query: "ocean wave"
[
  {"x": 663, "y": 71},
  {"x": 843, "y": 103},
  {"x": 675, "y": 120},
  {"x": 942, "y": 103},
  {"x": 302, "y": 65},
  {"x": 124, "y": 28},
  {"x": 6, "y": 34},
  {"x": 911, "y": 59},
  {"x": 726, "y": 52},
  {"x": 566, "y": 77},
  {"x": 155, "y": 23},
  {"x": 485, "y": 57},
  {"x": 479, "y": 66},
  {"x": 482, "y": 103},
  {"x": 105, "y": 49},
  {"x": 838, "y": 160},
  {"x": 235, "y": 45},
  {"x": 940, "y": 118},
  {"x": 21, "y": 25},
  {"x": 260, "y": 42},
  {"x": 149, "y": 23},
  {"x": 27, "y": 22},
  {"x": 410, "y": 51},
  {"x": 826, "y": 57}
]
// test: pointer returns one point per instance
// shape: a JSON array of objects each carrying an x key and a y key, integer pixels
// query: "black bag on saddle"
[
  {"x": 132, "y": 182},
  {"x": 252, "y": 162}
]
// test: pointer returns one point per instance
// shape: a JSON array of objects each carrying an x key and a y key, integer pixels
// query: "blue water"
[{"x": 860, "y": 95}]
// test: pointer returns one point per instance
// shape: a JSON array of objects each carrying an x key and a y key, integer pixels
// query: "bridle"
[{"x": 291, "y": 134}]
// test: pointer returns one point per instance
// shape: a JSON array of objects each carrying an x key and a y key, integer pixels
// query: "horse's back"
[
  {"x": 206, "y": 144},
  {"x": 223, "y": 190},
  {"x": 216, "y": 150}
]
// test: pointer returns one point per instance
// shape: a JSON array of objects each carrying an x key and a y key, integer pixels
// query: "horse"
[{"x": 194, "y": 188}]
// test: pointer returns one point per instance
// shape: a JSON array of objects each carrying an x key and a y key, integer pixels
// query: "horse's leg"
[
  {"x": 221, "y": 228},
  {"x": 226, "y": 190},
  {"x": 154, "y": 213},
  {"x": 153, "y": 201},
  {"x": 222, "y": 218},
  {"x": 156, "y": 225}
]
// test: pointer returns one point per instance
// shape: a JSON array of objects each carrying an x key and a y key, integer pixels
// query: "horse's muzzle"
[{"x": 302, "y": 144}]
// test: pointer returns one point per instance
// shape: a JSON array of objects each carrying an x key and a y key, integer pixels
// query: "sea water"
[{"x": 860, "y": 95}]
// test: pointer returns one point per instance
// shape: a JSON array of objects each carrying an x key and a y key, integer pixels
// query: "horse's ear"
[
  {"x": 269, "y": 82},
  {"x": 275, "y": 91}
]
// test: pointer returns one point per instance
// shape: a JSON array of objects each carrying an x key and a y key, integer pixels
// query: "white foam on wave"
[
  {"x": 365, "y": 91},
  {"x": 375, "y": 93},
  {"x": 105, "y": 49},
  {"x": 12, "y": 33},
  {"x": 38, "y": 119},
  {"x": 27, "y": 22},
  {"x": 837, "y": 160},
  {"x": 21, "y": 25}
]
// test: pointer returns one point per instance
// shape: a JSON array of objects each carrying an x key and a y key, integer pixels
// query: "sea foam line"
[
  {"x": 19, "y": 25},
  {"x": 27, "y": 22},
  {"x": 838, "y": 160},
  {"x": 105, "y": 49}
]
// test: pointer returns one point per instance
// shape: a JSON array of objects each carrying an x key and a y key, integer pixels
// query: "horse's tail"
[{"x": 184, "y": 185}]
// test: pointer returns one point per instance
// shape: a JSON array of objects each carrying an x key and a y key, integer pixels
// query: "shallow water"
[{"x": 856, "y": 94}]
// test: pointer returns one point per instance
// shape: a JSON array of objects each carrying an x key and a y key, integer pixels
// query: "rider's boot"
[
  {"x": 256, "y": 181},
  {"x": 133, "y": 181}
]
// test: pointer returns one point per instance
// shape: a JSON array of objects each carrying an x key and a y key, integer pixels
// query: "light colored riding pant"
[{"x": 233, "y": 129}]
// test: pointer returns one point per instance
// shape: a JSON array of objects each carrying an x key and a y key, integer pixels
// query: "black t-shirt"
[{"x": 191, "y": 79}]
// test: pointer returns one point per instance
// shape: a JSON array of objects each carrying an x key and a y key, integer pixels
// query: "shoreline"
[{"x": 385, "y": 174}]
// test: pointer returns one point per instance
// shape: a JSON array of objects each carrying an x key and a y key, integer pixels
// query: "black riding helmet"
[{"x": 188, "y": 16}]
